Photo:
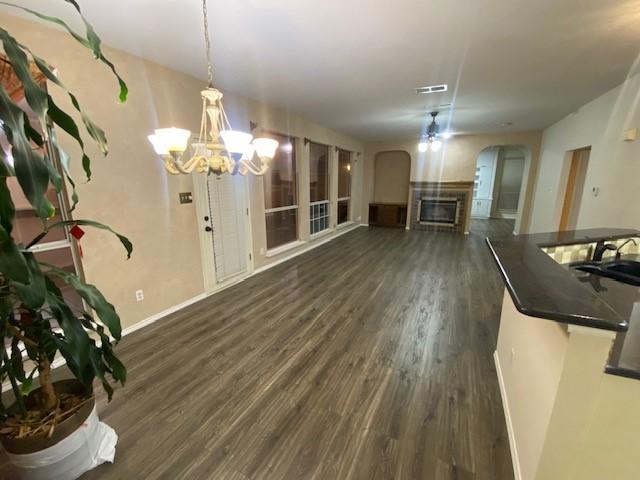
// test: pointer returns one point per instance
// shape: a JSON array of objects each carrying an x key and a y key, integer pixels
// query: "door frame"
[
  {"x": 201, "y": 200},
  {"x": 497, "y": 150},
  {"x": 577, "y": 166}
]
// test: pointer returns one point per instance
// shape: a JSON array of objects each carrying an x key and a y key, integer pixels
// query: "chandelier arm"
[
  {"x": 169, "y": 167},
  {"x": 253, "y": 168},
  {"x": 176, "y": 164}
]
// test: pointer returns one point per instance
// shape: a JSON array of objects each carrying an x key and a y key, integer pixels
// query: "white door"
[{"x": 229, "y": 224}]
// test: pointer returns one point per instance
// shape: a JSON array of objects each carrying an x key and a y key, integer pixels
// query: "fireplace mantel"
[{"x": 459, "y": 191}]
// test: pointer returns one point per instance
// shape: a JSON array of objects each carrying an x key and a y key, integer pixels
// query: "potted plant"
[{"x": 37, "y": 323}]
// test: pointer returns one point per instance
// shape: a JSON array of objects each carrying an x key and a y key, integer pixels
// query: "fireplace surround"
[{"x": 440, "y": 206}]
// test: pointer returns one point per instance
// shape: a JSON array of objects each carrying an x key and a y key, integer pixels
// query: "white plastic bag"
[{"x": 89, "y": 446}]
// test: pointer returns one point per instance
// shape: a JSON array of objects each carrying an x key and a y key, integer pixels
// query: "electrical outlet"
[
  {"x": 139, "y": 295},
  {"x": 595, "y": 191},
  {"x": 262, "y": 251}
]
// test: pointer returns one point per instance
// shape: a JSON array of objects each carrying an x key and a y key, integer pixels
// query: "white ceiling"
[{"x": 353, "y": 64}]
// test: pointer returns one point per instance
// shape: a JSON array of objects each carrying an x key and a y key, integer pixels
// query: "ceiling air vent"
[{"x": 432, "y": 89}]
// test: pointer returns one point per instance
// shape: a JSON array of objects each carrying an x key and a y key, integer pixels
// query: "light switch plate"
[
  {"x": 631, "y": 135},
  {"x": 186, "y": 197}
]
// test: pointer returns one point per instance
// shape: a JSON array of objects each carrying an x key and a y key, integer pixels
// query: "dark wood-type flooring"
[{"x": 369, "y": 357}]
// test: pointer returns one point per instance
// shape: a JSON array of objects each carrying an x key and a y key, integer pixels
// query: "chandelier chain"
[{"x": 207, "y": 42}]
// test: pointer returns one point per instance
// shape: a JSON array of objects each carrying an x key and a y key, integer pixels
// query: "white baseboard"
[
  {"x": 507, "y": 416},
  {"x": 154, "y": 318},
  {"x": 308, "y": 247},
  {"x": 59, "y": 361}
]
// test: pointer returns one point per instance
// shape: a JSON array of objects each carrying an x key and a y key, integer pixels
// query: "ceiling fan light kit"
[{"x": 433, "y": 141}]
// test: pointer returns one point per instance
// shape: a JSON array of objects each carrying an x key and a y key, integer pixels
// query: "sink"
[
  {"x": 626, "y": 271},
  {"x": 624, "y": 266}
]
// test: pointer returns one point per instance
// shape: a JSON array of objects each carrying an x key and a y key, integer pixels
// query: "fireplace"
[
  {"x": 440, "y": 206},
  {"x": 438, "y": 211}
]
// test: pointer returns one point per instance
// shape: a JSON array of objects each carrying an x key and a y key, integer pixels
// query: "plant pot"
[
  {"x": 21, "y": 446},
  {"x": 78, "y": 444}
]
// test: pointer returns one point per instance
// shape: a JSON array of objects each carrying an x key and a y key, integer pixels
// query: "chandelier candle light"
[{"x": 219, "y": 149}]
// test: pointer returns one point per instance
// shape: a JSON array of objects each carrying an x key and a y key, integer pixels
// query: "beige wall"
[
  {"x": 610, "y": 447},
  {"x": 613, "y": 164},
  {"x": 131, "y": 191},
  {"x": 392, "y": 172},
  {"x": 455, "y": 162},
  {"x": 530, "y": 355}
]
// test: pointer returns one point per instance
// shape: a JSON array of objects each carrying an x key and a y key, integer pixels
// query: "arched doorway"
[{"x": 499, "y": 189}]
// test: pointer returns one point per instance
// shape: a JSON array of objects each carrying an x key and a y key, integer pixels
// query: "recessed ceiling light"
[{"x": 432, "y": 89}]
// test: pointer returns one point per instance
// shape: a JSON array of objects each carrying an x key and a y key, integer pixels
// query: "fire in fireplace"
[{"x": 438, "y": 211}]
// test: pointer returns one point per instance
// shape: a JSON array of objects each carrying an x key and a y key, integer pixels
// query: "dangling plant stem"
[{"x": 16, "y": 389}]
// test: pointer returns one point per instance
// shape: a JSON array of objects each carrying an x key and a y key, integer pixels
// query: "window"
[
  {"x": 344, "y": 186},
  {"x": 318, "y": 187},
  {"x": 280, "y": 194}
]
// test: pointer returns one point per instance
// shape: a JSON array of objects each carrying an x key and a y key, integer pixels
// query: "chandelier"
[
  {"x": 432, "y": 141},
  {"x": 218, "y": 149}
]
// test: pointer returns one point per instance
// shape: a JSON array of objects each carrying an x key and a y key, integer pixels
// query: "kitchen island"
[{"x": 566, "y": 349}]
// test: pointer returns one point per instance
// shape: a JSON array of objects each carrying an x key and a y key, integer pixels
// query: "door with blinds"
[{"x": 229, "y": 223}]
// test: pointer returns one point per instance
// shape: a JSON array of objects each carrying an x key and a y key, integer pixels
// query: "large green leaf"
[
  {"x": 44, "y": 106},
  {"x": 7, "y": 208},
  {"x": 64, "y": 121},
  {"x": 93, "y": 297},
  {"x": 31, "y": 133},
  {"x": 30, "y": 168},
  {"x": 33, "y": 292},
  {"x": 99, "y": 369},
  {"x": 13, "y": 266},
  {"x": 89, "y": 223},
  {"x": 91, "y": 41},
  {"x": 64, "y": 161},
  {"x": 75, "y": 344},
  {"x": 35, "y": 95},
  {"x": 110, "y": 363}
]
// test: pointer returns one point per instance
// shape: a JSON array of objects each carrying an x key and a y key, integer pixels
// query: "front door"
[{"x": 227, "y": 197}]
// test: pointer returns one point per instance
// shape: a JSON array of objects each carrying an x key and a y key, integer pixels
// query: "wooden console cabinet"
[{"x": 388, "y": 215}]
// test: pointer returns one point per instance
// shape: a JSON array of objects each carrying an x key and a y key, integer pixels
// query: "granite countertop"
[{"x": 541, "y": 287}]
